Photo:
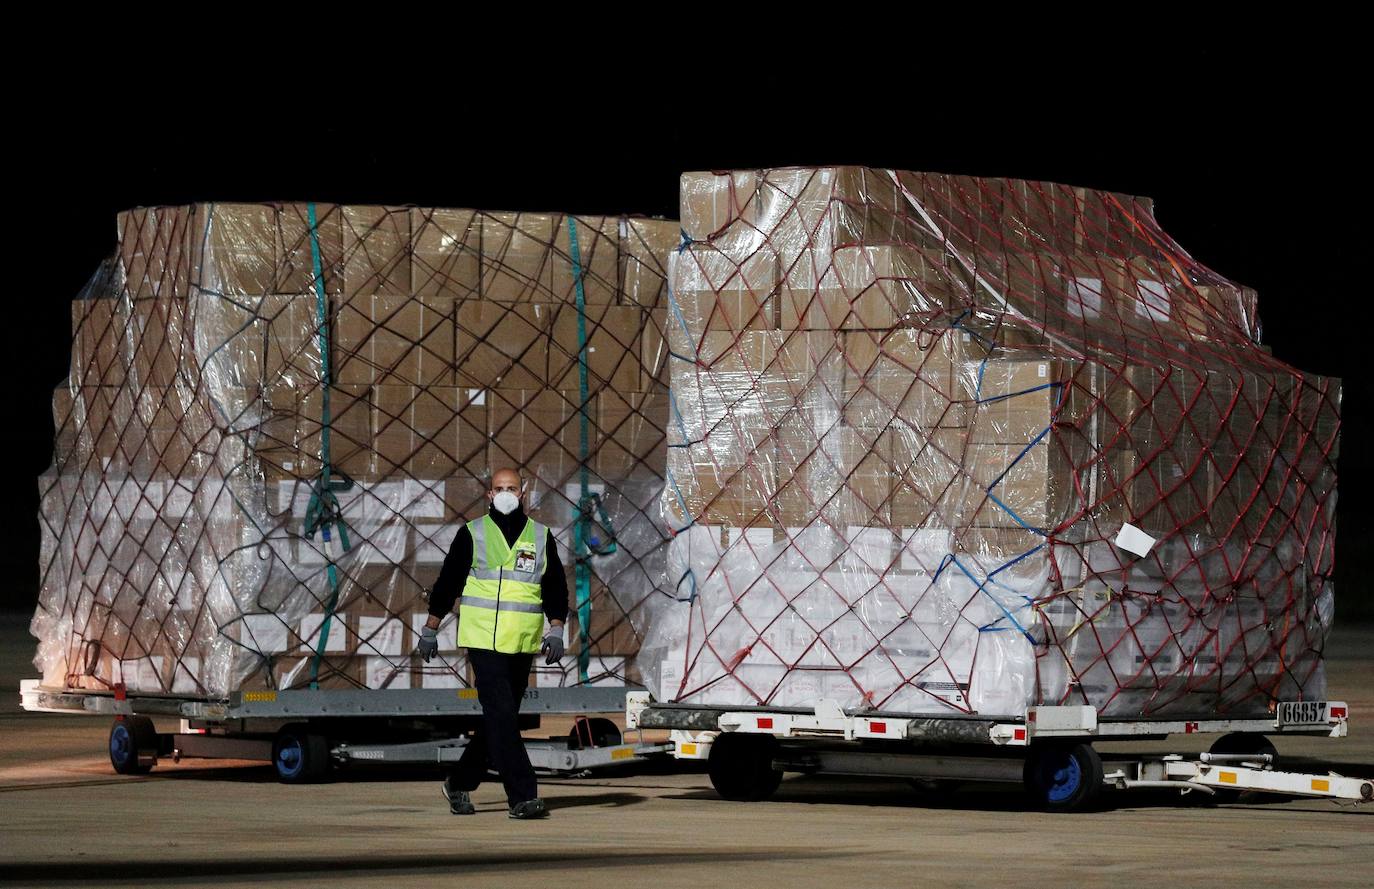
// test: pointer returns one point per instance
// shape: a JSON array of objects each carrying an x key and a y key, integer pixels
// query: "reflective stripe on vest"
[{"x": 501, "y": 606}]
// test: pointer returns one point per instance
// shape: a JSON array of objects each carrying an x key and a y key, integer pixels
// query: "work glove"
[
  {"x": 552, "y": 648},
  {"x": 429, "y": 643}
]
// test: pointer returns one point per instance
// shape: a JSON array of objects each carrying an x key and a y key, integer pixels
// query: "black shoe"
[
  {"x": 459, "y": 801},
  {"x": 530, "y": 808}
]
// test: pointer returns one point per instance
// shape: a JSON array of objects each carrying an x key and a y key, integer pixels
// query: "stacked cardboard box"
[
  {"x": 191, "y": 435},
  {"x": 914, "y": 411}
]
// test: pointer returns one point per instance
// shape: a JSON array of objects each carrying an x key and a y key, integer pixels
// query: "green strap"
[
  {"x": 324, "y": 512},
  {"x": 582, "y": 571}
]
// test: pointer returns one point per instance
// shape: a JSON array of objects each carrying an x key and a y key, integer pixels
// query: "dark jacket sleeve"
[
  {"x": 454, "y": 575},
  {"x": 553, "y": 586}
]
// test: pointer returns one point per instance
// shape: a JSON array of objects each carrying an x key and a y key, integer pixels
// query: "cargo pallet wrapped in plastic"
[
  {"x": 947, "y": 445},
  {"x": 278, "y": 415}
]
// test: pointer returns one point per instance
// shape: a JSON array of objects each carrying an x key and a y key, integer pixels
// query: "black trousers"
[{"x": 501, "y": 681}]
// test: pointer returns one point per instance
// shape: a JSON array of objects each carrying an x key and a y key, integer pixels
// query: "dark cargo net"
[
  {"x": 950, "y": 445},
  {"x": 219, "y": 517}
]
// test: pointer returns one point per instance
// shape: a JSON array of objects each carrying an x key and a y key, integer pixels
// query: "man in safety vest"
[{"x": 508, "y": 569}]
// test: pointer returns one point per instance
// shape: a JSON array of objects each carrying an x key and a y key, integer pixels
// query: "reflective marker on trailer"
[
  {"x": 1018, "y": 734},
  {"x": 878, "y": 728},
  {"x": 766, "y": 722},
  {"x": 1321, "y": 784},
  {"x": 1227, "y": 777},
  {"x": 689, "y": 750},
  {"x": 1337, "y": 713}
]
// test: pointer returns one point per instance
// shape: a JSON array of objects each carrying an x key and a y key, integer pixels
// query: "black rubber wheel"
[
  {"x": 1243, "y": 743},
  {"x": 601, "y": 732},
  {"x": 1063, "y": 777},
  {"x": 741, "y": 767},
  {"x": 299, "y": 755},
  {"x": 133, "y": 745}
]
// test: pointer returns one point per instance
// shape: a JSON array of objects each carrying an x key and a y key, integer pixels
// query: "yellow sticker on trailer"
[
  {"x": 1227, "y": 777},
  {"x": 689, "y": 750},
  {"x": 259, "y": 697},
  {"x": 467, "y": 694},
  {"x": 1321, "y": 784},
  {"x": 623, "y": 753}
]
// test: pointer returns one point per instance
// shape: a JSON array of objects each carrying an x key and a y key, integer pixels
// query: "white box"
[{"x": 380, "y": 635}]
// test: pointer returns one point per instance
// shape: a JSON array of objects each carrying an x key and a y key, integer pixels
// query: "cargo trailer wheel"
[
  {"x": 741, "y": 767},
  {"x": 594, "y": 732},
  {"x": 133, "y": 745},
  {"x": 1063, "y": 777},
  {"x": 299, "y": 756}
]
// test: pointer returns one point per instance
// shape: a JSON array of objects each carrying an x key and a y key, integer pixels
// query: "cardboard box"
[
  {"x": 614, "y": 337},
  {"x": 718, "y": 292},
  {"x": 429, "y": 432},
  {"x": 645, "y": 245},
  {"x": 156, "y": 246},
  {"x": 536, "y": 431},
  {"x": 503, "y": 346},
  {"x": 98, "y": 326},
  {"x": 298, "y": 252},
  {"x": 711, "y": 202},
  {"x": 865, "y": 288},
  {"x": 629, "y": 434},
  {"x": 404, "y": 341},
  {"x": 845, "y": 475},
  {"x": 446, "y": 263},
  {"x": 377, "y": 243},
  {"x": 290, "y": 441},
  {"x": 1011, "y": 401},
  {"x": 900, "y": 376},
  {"x": 517, "y": 261},
  {"x": 598, "y": 245},
  {"x": 240, "y": 253}
]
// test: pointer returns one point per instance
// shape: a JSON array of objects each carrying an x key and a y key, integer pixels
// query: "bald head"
[{"x": 504, "y": 480}]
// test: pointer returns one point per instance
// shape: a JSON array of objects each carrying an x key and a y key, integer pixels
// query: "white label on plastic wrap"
[
  {"x": 379, "y": 635},
  {"x": 477, "y": 397},
  {"x": 184, "y": 680},
  {"x": 265, "y": 633},
  {"x": 384, "y": 673},
  {"x": 1085, "y": 297},
  {"x": 1154, "y": 300},
  {"x": 669, "y": 678},
  {"x": 422, "y": 501},
  {"x": 142, "y": 674},
  {"x": 338, "y": 632},
  {"x": 288, "y": 465},
  {"x": 1043, "y": 370},
  {"x": 1134, "y": 540}
]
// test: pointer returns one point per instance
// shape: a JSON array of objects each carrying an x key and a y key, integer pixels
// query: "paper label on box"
[
  {"x": 381, "y": 635},
  {"x": 265, "y": 633},
  {"x": 1134, "y": 540},
  {"x": 477, "y": 397},
  {"x": 669, "y": 678},
  {"x": 338, "y": 632}
]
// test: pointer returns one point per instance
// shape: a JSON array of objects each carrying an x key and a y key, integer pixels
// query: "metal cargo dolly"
[
  {"x": 1049, "y": 750},
  {"x": 305, "y": 733}
]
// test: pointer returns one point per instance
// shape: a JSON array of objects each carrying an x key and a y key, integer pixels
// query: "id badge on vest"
[{"x": 524, "y": 558}]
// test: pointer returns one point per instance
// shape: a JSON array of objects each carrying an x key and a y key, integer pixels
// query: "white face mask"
[{"x": 505, "y": 502}]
